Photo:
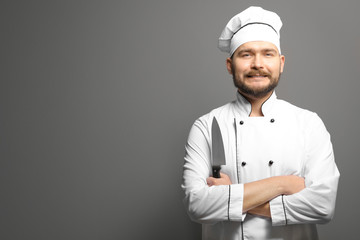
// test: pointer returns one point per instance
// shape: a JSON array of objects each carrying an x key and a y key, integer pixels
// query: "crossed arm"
[
  {"x": 258, "y": 194},
  {"x": 227, "y": 201}
]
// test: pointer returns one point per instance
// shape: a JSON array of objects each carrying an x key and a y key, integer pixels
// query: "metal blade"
[{"x": 218, "y": 153}]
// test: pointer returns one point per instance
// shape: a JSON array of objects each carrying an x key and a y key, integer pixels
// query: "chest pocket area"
[{"x": 288, "y": 154}]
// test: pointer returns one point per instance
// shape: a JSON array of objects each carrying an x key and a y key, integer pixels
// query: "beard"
[{"x": 256, "y": 92}]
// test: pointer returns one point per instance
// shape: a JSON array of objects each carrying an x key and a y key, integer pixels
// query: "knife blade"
[{"x": 217, "y": 153}]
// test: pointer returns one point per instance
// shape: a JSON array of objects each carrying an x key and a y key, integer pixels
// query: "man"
[{"x": 280, "y": 177}]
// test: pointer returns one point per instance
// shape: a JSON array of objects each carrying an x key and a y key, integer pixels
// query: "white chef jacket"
[{"x": 287, "y": 140}]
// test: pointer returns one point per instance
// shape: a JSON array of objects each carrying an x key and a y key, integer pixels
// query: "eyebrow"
[
  {"x": 245, "y": 50},
  {"x": 269, "y": 50}
]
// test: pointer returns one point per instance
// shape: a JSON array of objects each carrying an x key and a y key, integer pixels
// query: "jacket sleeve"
[
  {"x": 315, "y": 203},
  {"x": 206, "y": 204}
]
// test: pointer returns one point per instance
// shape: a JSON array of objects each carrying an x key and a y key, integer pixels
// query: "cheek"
[
  {"x": 274, "y": 68},
  {"x": 275, "y": 65},
  {"x": 242, "y": 68}
]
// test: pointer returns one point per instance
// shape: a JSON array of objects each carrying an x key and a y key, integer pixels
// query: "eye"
[{"x": 269, "y": 54}]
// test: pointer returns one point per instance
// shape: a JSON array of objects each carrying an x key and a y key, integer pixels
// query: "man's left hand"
[{"x": 223, "y": 180}]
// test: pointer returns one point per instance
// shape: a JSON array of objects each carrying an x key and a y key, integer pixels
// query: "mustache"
[{"x": 258, "y": 72}]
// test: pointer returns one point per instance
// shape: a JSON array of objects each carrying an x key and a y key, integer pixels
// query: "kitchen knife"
[{"x": 217, "y": 153}]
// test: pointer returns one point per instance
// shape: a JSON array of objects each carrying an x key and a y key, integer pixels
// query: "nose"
[{"x": 257, "y": 62}]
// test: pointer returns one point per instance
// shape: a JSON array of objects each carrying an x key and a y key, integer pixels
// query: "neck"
[{"x": 256, "y": 103}]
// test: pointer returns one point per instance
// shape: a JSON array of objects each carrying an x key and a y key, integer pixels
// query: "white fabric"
[
  {"x": 256, "y": 32},
  {"x": 241, "y": 29},
  {"x": 298, "y": 144}
]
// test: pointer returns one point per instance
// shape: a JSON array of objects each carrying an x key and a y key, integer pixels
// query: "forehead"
[{"x": 257, "y": 46}]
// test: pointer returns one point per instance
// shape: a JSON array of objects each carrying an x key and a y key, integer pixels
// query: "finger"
[{"x": 210, "y": 181}]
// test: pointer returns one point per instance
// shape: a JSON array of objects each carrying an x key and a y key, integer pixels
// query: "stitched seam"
[
  {"x": 282, "y": 199},
  {"x": 242, "y": 231},
  {"x": 229, "y": 203},
  {"x": 236, "y": 152},
  {"x": 255, "y": 23}
]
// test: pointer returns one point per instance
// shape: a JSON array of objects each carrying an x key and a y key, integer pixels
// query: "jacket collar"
[{"x": 244, "y": 107}]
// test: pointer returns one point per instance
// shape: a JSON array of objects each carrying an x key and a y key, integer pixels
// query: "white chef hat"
[{"x": 252, "y": 24}]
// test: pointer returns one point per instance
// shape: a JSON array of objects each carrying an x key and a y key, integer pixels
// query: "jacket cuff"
[
  {"x": 278, "y": 211},
  {"x": 235, "y": 204}
]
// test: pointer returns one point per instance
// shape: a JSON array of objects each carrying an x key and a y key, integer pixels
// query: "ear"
[
  {"x": 282, "y": 63},
  {"x": 229, "y": 65}
]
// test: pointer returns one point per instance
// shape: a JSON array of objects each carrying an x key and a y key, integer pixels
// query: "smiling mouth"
[{"x": 257, "y": 76}]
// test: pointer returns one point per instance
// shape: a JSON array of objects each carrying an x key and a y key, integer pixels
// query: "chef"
[{"x": 280, "y": 178}]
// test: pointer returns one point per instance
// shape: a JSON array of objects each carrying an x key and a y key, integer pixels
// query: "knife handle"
[{"x": 216, "y": 171}]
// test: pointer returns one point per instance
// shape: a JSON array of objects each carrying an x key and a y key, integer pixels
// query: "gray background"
[{"x": 97, "y": 99}]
